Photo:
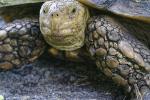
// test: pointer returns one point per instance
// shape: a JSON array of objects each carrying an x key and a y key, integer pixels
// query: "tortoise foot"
[
  {"x": 20, "y": 43},
  {"x": 119, "y": 55}
]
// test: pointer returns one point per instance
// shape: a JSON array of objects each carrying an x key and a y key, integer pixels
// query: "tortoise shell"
[{"x": 135, "y": 9}]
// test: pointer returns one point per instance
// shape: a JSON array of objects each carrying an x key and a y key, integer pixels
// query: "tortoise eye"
[
  {"x": 45, "y": 10},
  {"x": 73, "y": 10}
]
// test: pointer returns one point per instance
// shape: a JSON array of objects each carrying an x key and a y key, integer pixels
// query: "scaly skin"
[
  {"x": 20, "y": 43},
  {"x": 118, "y": 54}
]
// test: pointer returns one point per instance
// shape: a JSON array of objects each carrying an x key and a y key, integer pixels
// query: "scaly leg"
[
  {"x": 119, "y": 55},
  {"x": 20, "y": 43}
]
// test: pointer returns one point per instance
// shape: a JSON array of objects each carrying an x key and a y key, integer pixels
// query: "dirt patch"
[{"x": 52, "y": 79}]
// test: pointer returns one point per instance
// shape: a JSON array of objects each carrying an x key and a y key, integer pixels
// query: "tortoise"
[{"x": 114, "y": 34}]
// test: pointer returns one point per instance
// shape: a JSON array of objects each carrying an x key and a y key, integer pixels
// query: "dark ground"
[{"x": 51, "y": 79}]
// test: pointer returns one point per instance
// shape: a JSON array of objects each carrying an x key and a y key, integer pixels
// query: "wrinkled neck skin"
[{"x": 63, "y": 23}]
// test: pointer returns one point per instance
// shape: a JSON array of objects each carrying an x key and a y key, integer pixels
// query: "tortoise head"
[{"x": 63, "y": 22}]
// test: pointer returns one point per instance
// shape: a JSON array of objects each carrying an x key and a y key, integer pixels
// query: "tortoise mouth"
[
  {"x": 60, "y": 35},
  {"x": 60, "y": 38},
  {"x": 64, "y": 39}
]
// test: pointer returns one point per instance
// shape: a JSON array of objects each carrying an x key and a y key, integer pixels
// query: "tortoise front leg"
[
  {"x": 20, "y": 43},
  {"x": 119, "y": 55}
]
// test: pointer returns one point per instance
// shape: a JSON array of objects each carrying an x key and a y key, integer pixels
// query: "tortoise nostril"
[{"x": 54, "y": 15}]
